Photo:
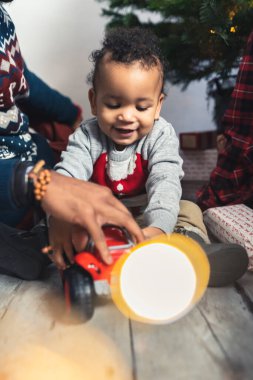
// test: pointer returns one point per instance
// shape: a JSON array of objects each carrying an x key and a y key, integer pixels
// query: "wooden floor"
[{"x": 214, "y": 341}]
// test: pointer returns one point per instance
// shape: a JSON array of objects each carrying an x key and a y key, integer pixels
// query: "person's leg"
[
  {"x": 10, "y": 214},
  {"x": 228, "y": 262},
  {"x": 20, "y": 253},
  {"x": 190, "y": 218}
]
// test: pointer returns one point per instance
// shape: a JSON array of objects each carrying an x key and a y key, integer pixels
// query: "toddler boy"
[{"x": 129, "y": 147}]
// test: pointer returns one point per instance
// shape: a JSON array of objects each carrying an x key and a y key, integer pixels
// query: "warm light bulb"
[{"x": 161, "y": 279}]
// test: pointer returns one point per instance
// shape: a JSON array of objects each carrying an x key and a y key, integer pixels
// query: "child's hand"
[
  {"x": 150, "y": 232},
  {"x": 64, "y": 239},
  {"x": 61, "y": 242}
]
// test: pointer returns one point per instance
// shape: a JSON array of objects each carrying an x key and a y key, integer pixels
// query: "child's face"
[{"x": 126, "y": 101}]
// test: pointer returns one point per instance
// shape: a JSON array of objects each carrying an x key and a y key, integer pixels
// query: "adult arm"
[{"x": 81, "y": 204}]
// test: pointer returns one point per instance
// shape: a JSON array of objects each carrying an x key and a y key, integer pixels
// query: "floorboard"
[
  {"x": 33, "y": 319},
  {"x": 182, "y": 350},
  {"x": 213, "y": 342},
  {"x": 231, "y": 323}
]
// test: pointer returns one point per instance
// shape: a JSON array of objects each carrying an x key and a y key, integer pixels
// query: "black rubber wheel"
[{"x": 79, "y": 291}]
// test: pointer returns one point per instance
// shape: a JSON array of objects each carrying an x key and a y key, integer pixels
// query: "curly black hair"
[{"x": 129, "y": 45}]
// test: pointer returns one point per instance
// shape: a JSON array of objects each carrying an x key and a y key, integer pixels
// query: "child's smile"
[
  {"x": 124, "y": 132},
  {"x": 126, "y": 101}
]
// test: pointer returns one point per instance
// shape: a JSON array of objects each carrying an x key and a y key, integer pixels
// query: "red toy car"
[{"x": 80, "y": 279}]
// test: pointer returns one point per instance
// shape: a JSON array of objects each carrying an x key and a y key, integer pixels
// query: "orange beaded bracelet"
[{"x": 40, "y": 178}]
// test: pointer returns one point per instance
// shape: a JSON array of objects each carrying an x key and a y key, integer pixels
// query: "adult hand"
[
  {"x": 221, "y": 143},
  {"x": 89, "y": 206}
]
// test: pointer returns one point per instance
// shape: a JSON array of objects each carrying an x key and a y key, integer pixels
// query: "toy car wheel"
[{"x": 79, "y": 291}]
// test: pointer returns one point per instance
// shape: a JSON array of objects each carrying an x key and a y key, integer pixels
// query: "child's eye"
[
  {"x": 113, "y": 106},
  {"x": 141, "y": 108}
]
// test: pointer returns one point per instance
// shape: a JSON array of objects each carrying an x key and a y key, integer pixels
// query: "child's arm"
[
  {"x": 164, "y": 181},
  {"x": 150, "y": 232},
  {"x": 76, "y": 161}
]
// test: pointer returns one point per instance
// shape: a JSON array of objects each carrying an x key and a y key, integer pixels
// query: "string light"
[{"x": 231, "y": 15}]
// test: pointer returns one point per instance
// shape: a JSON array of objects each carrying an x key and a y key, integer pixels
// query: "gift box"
[
  {"x": 197, "y": 140},
  {"x": 232, "y": 224}
]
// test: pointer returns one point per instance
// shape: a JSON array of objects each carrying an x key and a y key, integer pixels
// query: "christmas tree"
[{"x": 201, "y": 39}]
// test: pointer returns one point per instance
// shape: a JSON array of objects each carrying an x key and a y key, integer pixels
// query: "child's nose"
[{"x": 127, "y": 114}]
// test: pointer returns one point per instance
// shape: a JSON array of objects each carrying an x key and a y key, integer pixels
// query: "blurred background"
[{"x": 56, "y": 38}]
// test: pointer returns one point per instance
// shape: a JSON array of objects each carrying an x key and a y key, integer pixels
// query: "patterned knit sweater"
[
  {"x": 18, "y": 84},
  {"x": 146, "y": 173}
]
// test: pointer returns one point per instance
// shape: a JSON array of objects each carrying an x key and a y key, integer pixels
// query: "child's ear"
[
  {"x": 92, "y": 100},
  {"x": 159, "y": 106}
]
